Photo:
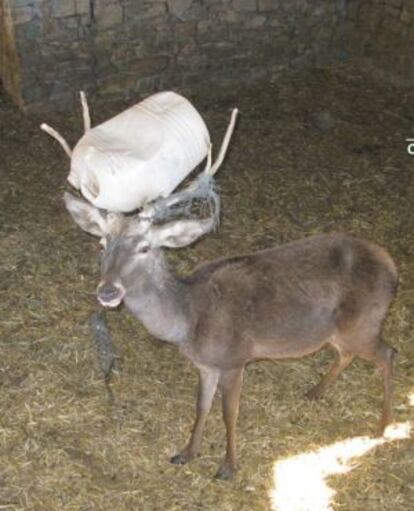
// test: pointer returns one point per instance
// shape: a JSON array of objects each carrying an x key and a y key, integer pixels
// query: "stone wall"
[
  {"x": 49, "y": 49},
  {"x": 123, "y": 48},
  {"x": 380, "y": 37},
  {"x": 9, "y": 61}
]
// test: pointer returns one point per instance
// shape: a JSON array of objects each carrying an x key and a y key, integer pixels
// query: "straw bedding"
[{"x": 313, "y": 152}]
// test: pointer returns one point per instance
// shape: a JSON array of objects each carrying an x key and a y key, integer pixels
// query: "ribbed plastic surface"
[{"x": 141, "y": 154}]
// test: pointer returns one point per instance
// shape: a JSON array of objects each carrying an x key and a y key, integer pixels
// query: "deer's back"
[{"x": 293, "y": 296}]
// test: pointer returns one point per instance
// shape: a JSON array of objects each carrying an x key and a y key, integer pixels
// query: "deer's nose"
[{"x": 110, "y": 295}]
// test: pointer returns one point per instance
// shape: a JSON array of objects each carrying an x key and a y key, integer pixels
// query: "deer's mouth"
[{"x": 110, "y": 295}]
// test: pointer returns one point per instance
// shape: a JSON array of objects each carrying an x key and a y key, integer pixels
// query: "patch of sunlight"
[
  {"x": 411, "y": 399},
  {"x": 300, "y": 482}
]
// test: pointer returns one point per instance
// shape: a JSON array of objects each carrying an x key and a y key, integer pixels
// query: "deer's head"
[{"x": 131, "y": 244}]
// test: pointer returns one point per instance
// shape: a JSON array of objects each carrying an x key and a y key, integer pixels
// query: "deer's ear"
[
  {"x": 85, "y": 215},
  {"x": 180, "y": 233}
]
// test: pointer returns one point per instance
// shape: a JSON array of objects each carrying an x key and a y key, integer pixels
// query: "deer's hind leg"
[
  {"x": 363, "y": 341},
  {"x": 383, "y": 356},
  {"x": 230, "y": 384},
  {"x": 344, "y": 358}
]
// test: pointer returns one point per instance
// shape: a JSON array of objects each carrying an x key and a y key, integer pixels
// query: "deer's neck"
[{"x": 159, "y": 300}]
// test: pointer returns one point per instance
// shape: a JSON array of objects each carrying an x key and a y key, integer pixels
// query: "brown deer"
[{"x": 286, "y": 301}]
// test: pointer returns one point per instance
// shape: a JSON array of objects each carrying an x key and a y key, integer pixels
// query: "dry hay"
[{"x": 319, "y": 151}]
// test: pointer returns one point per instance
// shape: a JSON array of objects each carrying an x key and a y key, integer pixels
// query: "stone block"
[
  {"x": 148, "y": 66},
  {"x": 155, "y": 9},
  {"x": 186, "y": 31},
  {"x": 406, "y": 16},
  {"x": 256, "y": 21},
  {"x": 230, "y": 16},
  {"x": 108, "y": 13},
  {"x": 139, "y": 11},
  {"x": 276, "y": 21},
  {"x": 64, "y": 8},
  {"x": 389, "y": 10},
  {"x": 22, "y": 14},
  {"x": 143, "y": 86},
  {"x": 178, "y": 8},
  {"x": 268, "y": 5},
  {"x": 220, "y": 32},
  {"x": 82, "y": 6},
  {"x": 189, "y": 57},
  {"x": 28, "y": 33},
  {"x": 245, "y": 5},
  {"x": 22, "y": 3},
  {"x": 117, "y": 83}
]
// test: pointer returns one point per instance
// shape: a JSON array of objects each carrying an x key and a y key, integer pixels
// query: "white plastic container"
[{"x": 141, "y": 154}]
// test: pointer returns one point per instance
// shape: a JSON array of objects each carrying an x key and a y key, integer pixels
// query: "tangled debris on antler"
[
  {"x": 191, "y": 202},
  {"x": 108, "y": 358}
]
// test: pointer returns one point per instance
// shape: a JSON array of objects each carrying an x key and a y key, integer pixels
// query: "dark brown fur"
[
  {"x": 288, "y": 301},
  {"x": 291, "y": 301}
]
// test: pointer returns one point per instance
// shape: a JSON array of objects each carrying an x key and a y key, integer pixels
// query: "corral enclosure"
[{"x": 326, "y": 104}]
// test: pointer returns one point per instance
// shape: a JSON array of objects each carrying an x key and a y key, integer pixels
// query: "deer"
[{"x": 287, "y": 301}]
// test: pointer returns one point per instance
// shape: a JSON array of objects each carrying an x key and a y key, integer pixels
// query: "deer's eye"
[{"x": 143, "y": 248}]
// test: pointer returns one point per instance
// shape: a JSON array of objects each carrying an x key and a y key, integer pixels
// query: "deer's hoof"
[
  {"x": 382, "y": 427},
  {"x": 179, "y": 459},
  {"x": 225, "y": 472}
]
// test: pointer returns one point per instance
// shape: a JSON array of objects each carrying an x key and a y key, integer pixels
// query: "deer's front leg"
[
  {"x": 207, "y": 385},
  {"x": 230, "y": 386}
]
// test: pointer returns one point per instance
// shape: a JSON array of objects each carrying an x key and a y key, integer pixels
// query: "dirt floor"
[{"x": 315, "y": 152}]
